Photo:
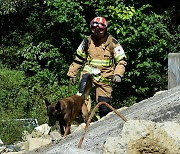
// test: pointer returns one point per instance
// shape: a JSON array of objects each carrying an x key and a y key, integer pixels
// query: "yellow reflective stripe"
[
  {"x": 105, "y": 80},
  {"x": 88, "y": 69},
  {"x": 81, "y": 54},
  {"x": 98, "y": 62},
  {"x": 97, "y": 77},
  {"x": 119, "y": 57}
]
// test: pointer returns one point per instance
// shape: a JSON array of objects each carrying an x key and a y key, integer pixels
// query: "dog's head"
[{"x": 53, "y": 112}]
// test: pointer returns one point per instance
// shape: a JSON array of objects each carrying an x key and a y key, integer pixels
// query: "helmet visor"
[{"x": 97, "y": 27}]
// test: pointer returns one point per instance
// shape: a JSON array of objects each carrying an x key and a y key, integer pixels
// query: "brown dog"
[{"x": 65, "y": 111}]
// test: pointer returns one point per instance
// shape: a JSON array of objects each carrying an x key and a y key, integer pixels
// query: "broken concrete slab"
[{"x": 146, "y": 136}]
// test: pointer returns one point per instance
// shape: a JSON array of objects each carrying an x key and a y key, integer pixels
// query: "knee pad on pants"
[{"x": 103, "y": 109}]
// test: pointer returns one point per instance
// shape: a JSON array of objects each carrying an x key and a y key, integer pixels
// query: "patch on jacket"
[{"x": 119, "y": 50}]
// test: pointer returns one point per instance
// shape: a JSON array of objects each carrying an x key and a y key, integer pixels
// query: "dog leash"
[{"x": 91, "y": 116}]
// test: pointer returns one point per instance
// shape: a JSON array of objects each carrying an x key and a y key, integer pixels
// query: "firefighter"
[{"x": 103, "y": 60}]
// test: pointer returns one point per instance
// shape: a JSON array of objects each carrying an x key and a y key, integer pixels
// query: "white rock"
[
  {"x": 159, "y": 92},
  {"x": 1, "y": 142},
  {"x": 44, "y": 129},
  {"x": 75, "y": 128},
  {"x": 172, "y": 129},
  {"x": 35, "y": 143},
  {"x": 55, "y": 135}
]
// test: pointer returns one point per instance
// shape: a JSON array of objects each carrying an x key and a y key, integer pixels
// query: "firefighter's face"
[{"x": 98, "y": 28}]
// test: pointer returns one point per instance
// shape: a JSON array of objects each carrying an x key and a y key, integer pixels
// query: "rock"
[
  {"x": 55, "y": 136},
  {"x": 43, "y": 129},
  {"x": 159, "y": 92},
  {"x": 148, "y": 136},
  {"x": 1, "y": 142},
  {"x": 3, "y": 149},
  {"x": 26, "y": 136},
  {"x": 112, "y": 146},
  {"x": 172, "y": 129},
  {"x": 19, "y": 152},
  {"x": 39, "y": 137},
  {"x": 38, "y": 132},
  {"x": 35, "y": 143},
  {"x": 77, "y": 128},
  {"x": 140, "y": 136},
  {"x": 71, "y": 150}
]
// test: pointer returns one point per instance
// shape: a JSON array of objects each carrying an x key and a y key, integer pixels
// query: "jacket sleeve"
[
  {"x": 81, "y": 56},
  {"x": 120, "y": 59}
]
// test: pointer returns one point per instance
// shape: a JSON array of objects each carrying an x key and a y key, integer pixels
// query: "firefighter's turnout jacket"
[{"x": 102, "y": 59}]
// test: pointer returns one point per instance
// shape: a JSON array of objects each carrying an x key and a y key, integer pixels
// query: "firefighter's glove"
[
  {"x": 117, "y": 78},
  {"x": 72, "y": 80}
]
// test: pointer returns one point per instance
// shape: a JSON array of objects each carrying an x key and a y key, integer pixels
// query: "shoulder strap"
[{"x": 87, "y": 41}]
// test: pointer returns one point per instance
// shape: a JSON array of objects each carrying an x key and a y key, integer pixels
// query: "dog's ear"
[
  {"x": 47, "y": 102},
  {"x": 58, "y": 106}
]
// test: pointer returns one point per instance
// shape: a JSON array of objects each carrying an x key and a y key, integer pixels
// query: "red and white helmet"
[{"x": 98, "y": 25}]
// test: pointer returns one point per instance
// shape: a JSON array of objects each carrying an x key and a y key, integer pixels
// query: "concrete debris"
[
  {"x": 41, "y": 136},
  {"x": 159, "y": 92},
  {"x": 1, "y": 142},
  {"x": 35, "y": 143},
  {"x": 140, "y": 136},
  {"x": 43, "y": 129}
]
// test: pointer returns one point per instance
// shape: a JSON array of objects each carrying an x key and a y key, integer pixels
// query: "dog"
[{"x": 65, "y": 111}]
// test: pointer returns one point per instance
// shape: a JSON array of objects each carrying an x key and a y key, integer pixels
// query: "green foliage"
[
  {"x": 13, "y": 94},
  {"x": 14, "y": 103},
  {"x": 122, "y": 12},
  {"x": 68, "y": 16},
  {"x": 10, "y": 7},
  {"x": 11, "y": 131},
  {"x": 42, "y": 57}
]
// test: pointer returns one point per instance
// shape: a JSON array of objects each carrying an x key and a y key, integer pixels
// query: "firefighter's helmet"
[{"x": 98, "y": 25}]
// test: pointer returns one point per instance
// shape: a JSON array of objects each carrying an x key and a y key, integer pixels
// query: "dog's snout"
[
  {"x": 49, "y": 124},
  {"x": 52, "y": 121}
]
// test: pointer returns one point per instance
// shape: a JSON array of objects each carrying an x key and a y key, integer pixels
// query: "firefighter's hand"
[
  {"x": 117, "y": 78},
  {"x": 72, "y": 80}
]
